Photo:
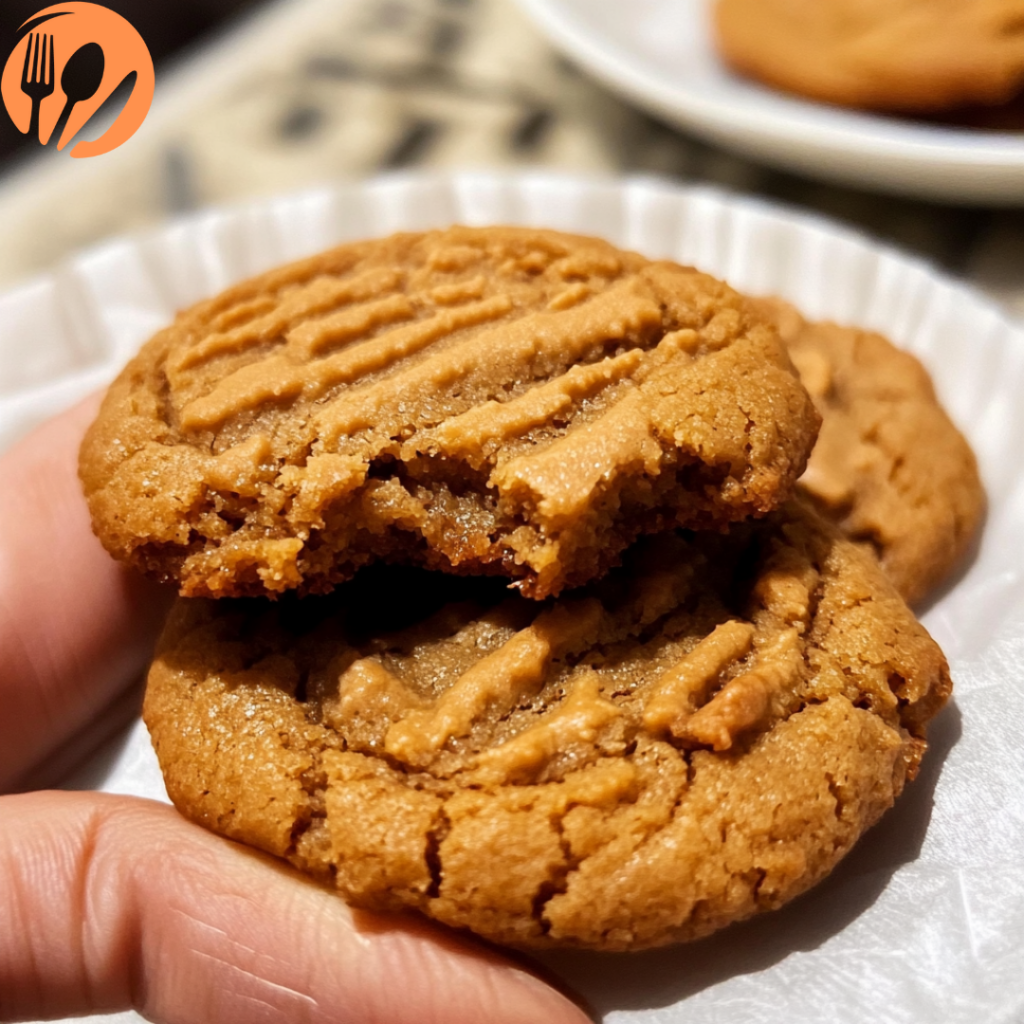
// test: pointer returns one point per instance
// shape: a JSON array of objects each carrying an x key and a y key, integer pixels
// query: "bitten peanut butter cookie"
[
  {"x": 890, "y": 468},
  {"x": 699, "y": 736},
  {"x": 902, "y": 55},
  {"x": 475, "y": 400}
]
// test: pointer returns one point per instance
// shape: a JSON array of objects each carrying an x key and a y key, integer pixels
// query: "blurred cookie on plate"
[{"x": 895, "y": 55}]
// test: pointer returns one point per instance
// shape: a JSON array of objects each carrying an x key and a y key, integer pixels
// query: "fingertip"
[
  {"x": 465, "y": 980},
  {"x": 132, "y": 906},
  {"x": 551, "y": 1005}
]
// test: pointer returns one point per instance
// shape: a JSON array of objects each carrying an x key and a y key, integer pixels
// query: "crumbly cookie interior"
[
  {"x": 697, "y": 737},
  {"x": 501, "y": 401}
]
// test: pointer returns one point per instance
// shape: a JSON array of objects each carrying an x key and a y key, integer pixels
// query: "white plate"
[
  {"x": 923, "y": 921},
  {"x": 659, "y": 53}
]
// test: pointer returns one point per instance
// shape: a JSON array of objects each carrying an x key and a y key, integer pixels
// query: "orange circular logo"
[{"x": 67, "y": 62}]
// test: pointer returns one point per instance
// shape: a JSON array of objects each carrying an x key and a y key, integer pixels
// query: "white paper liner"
[{"x": 924, "y": 921}]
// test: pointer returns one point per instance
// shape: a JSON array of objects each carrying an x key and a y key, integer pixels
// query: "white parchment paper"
[{"x": 924, "y": 921}]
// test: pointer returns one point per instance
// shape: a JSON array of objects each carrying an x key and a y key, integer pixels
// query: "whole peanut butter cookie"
[
  {"x": 475, "y": 400},
  {"x": 902, "y": 55},
  {"x": 699, "y": 736},
  {"x": 890, "y": 468}
]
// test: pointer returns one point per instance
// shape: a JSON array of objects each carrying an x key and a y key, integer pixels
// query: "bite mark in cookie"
[{"x": 505, "y": 401}]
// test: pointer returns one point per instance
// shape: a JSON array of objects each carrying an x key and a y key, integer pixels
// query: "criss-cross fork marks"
[
  {"x": 369, "y": 330},
  {"x": 722, "y": 688},
  {"x": 438, "y": 379},
  {"x": 398, "y": 365}
]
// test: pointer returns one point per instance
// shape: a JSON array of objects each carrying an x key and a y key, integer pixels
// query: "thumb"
[{"x": 110, "y": 903}]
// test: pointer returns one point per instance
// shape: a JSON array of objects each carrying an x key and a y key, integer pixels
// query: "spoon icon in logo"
[{"x": 79, "y": 80}]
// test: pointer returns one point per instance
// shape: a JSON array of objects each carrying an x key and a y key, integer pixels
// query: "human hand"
[{"x": 109, "y": 903}]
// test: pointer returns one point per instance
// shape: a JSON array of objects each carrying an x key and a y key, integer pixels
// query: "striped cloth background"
[{"x": 311, "y": 90}]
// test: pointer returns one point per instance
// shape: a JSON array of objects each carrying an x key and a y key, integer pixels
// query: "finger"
[
  {"x": 75, "y": 764},
  {"x": 74, "y": 627},
  {"x": 110, "y": 903}
]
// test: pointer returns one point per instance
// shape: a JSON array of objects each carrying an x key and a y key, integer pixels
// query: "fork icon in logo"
[{"x": 36, "y": 82}]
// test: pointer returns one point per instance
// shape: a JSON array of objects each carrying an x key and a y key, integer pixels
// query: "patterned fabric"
[{"x": 311, "y": 90}]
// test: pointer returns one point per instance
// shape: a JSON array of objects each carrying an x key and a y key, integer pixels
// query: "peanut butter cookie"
[
  {"x": 699, "y": 736},
  {"x": 901, "y": 55},
  {"x": 890, "y": 468},
  {"x": 475, "y": 400}
]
